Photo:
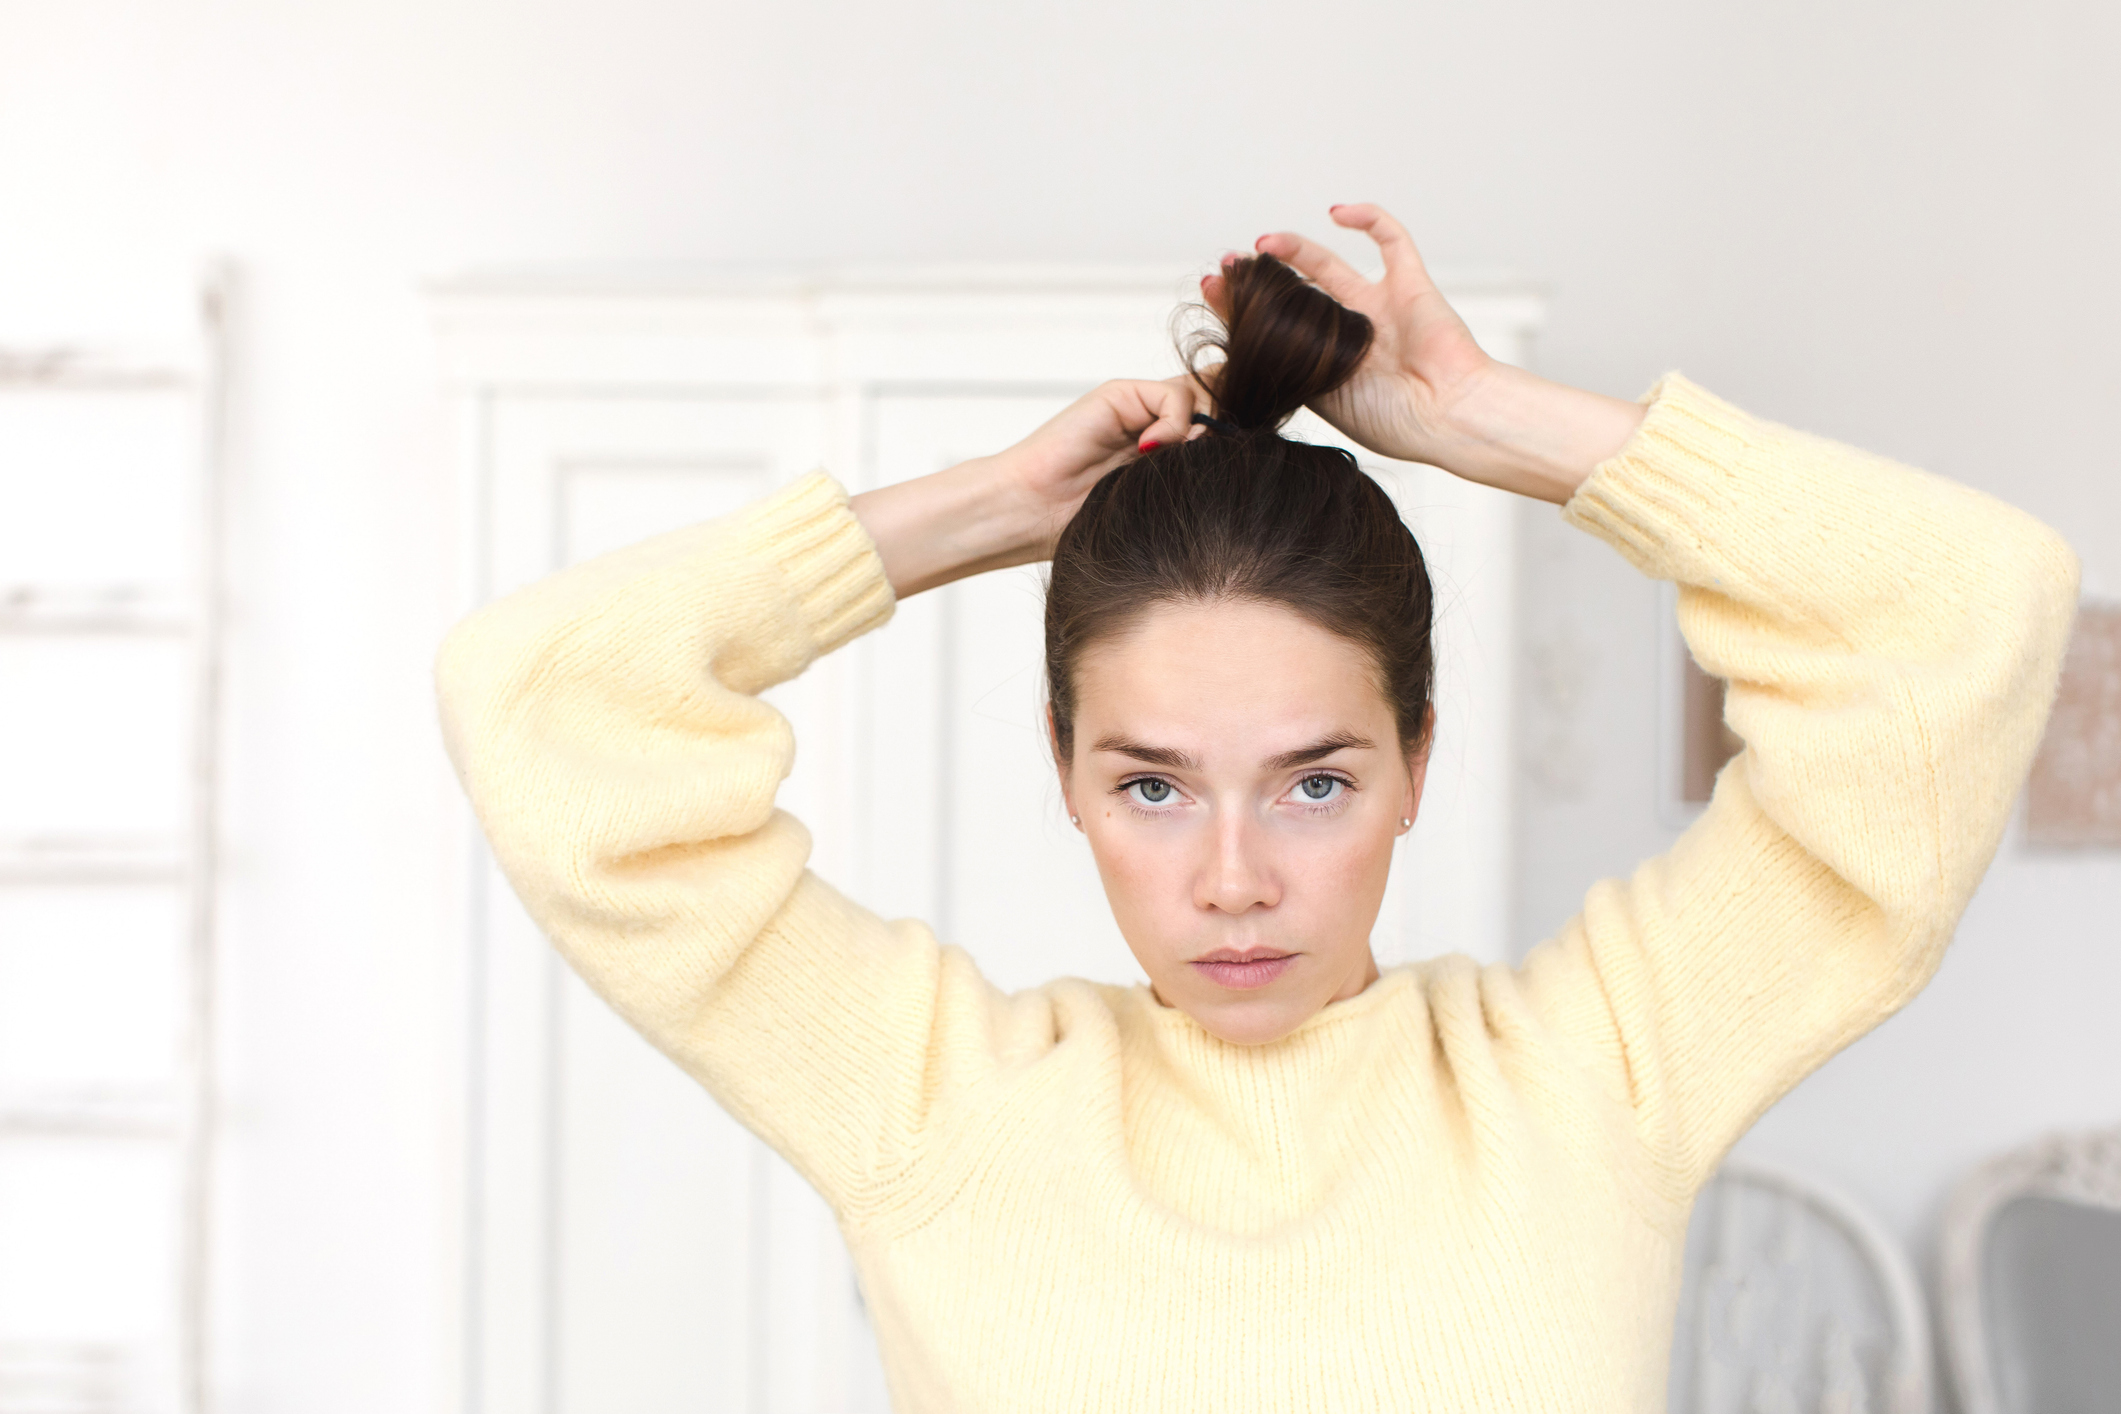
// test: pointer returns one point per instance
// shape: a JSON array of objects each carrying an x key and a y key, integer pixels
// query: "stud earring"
[
  {"x": 1405, "y": 823},
  {"x": 1075, "y": 819}
]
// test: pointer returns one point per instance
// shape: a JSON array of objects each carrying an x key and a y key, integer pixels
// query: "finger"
[
  {"x": 1332, "y": 274},
  {"x": 1201, "y": 389},
  {"x": 1215, "y": 288},
  {"x": 1166, "y": 405},
  {"x": 1216, "y": 291},
  {"x": 1397, "y": 247}
]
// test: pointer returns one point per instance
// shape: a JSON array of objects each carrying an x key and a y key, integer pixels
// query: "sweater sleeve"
[
  {"x": 1891, "y": 641},
  {"x": 606, "y": 725}
]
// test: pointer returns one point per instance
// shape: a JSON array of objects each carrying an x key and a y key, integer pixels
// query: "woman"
[{"x": 1291, "y": 1182}]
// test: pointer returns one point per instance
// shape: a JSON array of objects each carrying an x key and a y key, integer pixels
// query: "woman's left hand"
[
  {"x": 1054, "y": 468},
  {"x": 1423, "y": 362},
  {"x": 1427, "y": 392}
]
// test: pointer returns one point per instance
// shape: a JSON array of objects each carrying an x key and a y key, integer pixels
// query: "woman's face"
[{"x": 1239, "y": 777}]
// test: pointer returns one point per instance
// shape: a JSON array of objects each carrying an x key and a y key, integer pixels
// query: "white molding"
[
  {"x": 98, "y": 1113},
  {"x": 111, "y": 609},
  {"x": 790, "y": 330},
  {"x": 97, "y": 368},
  {"x": 100, "y": 859}
]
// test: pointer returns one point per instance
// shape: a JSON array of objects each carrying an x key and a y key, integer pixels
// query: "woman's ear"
[
  {"x": 1059, "y": 765},
  {"x": 1418, "y": 765}
]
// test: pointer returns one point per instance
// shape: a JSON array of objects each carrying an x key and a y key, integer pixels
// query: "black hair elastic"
[{"x": 1216, "y": 424}]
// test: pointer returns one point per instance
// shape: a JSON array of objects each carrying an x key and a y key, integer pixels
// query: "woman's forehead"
[{"x": 1229, "y": 677}]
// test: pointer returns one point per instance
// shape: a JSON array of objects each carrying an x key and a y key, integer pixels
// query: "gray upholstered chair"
[
  {"x": 2031, "y": 1279},
  {"x": 1795, "y": 1301}
]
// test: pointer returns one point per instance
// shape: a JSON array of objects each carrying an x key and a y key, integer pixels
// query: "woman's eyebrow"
[
  {"x": 1319, "y": 750},
  {"x": 1168, "y": 757}
]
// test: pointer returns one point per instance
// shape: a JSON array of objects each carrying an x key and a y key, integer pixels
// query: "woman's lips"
[{"x": 1245, "y": 975}]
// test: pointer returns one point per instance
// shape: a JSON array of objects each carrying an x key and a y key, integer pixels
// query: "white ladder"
[{"x": 158, "y": 1363}]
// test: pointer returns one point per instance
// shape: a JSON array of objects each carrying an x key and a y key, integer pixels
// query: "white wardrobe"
[{"x": 625, "y": 1245}]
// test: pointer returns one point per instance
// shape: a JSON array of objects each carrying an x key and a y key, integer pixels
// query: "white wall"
[{"x": 1889, "y": 223}]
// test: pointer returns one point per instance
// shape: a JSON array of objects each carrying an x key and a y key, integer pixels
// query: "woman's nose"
[{"x": 1236, "y": 876}]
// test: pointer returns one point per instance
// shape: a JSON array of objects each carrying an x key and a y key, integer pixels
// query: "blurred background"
[{"x": 1888, "y": 223}]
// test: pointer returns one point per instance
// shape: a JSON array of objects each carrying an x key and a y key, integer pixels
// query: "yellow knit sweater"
[{"x": 1465, "y": 1189}]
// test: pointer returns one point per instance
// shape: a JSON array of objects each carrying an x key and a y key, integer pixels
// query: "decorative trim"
[
  {"x": 2075, "y": 1166},
  {"x": 1908, "y": 1376},
  {"x": 671, "y": 330}
]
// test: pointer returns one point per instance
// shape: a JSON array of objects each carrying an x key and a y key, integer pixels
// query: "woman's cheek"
[
  {"x": 1341, "y": 870},
  {"x": 1144, "y": 869}
]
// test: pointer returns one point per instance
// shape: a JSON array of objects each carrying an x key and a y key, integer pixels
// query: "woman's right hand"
[
  {"x": 1009, "y": 508},
  {"x": 1053, "y": 469}
]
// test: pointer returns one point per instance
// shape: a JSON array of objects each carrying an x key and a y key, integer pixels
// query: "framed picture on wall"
[
  {"x": 2072, "y": 795},
  {"x": 1693, "y": 741}
]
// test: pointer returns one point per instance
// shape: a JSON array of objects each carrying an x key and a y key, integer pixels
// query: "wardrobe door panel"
[
  {"x": 1005, "y": 875},
  {"x": 628, "y": 1224}
]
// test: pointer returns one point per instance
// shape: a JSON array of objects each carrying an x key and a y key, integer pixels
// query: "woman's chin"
[{"x": 1250, "y": 1020}]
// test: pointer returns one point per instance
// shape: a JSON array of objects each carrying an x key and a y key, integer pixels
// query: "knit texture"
[{"x": 1465, "y": 1188}]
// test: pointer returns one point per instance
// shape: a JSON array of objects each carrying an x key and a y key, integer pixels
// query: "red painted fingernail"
[{"x": 1150, "y": 446}]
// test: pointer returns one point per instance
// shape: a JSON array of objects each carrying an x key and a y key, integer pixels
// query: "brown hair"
[{"x": 1247, "y": 513}]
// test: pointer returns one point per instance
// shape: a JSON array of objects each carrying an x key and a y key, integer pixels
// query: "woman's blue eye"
[
  {"x": 1319, "y": 787},
  {"x": 1153, "y": 791}
]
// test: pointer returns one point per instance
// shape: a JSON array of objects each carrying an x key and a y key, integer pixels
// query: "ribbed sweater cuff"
[
  {"x": 809, "y": 531},
  {"x": 1675, "y": 481}
]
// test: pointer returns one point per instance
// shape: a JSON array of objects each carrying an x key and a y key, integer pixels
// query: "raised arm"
[
  {"x": 1891, "y": 641},
  {"x": 606, "y": 725}
]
